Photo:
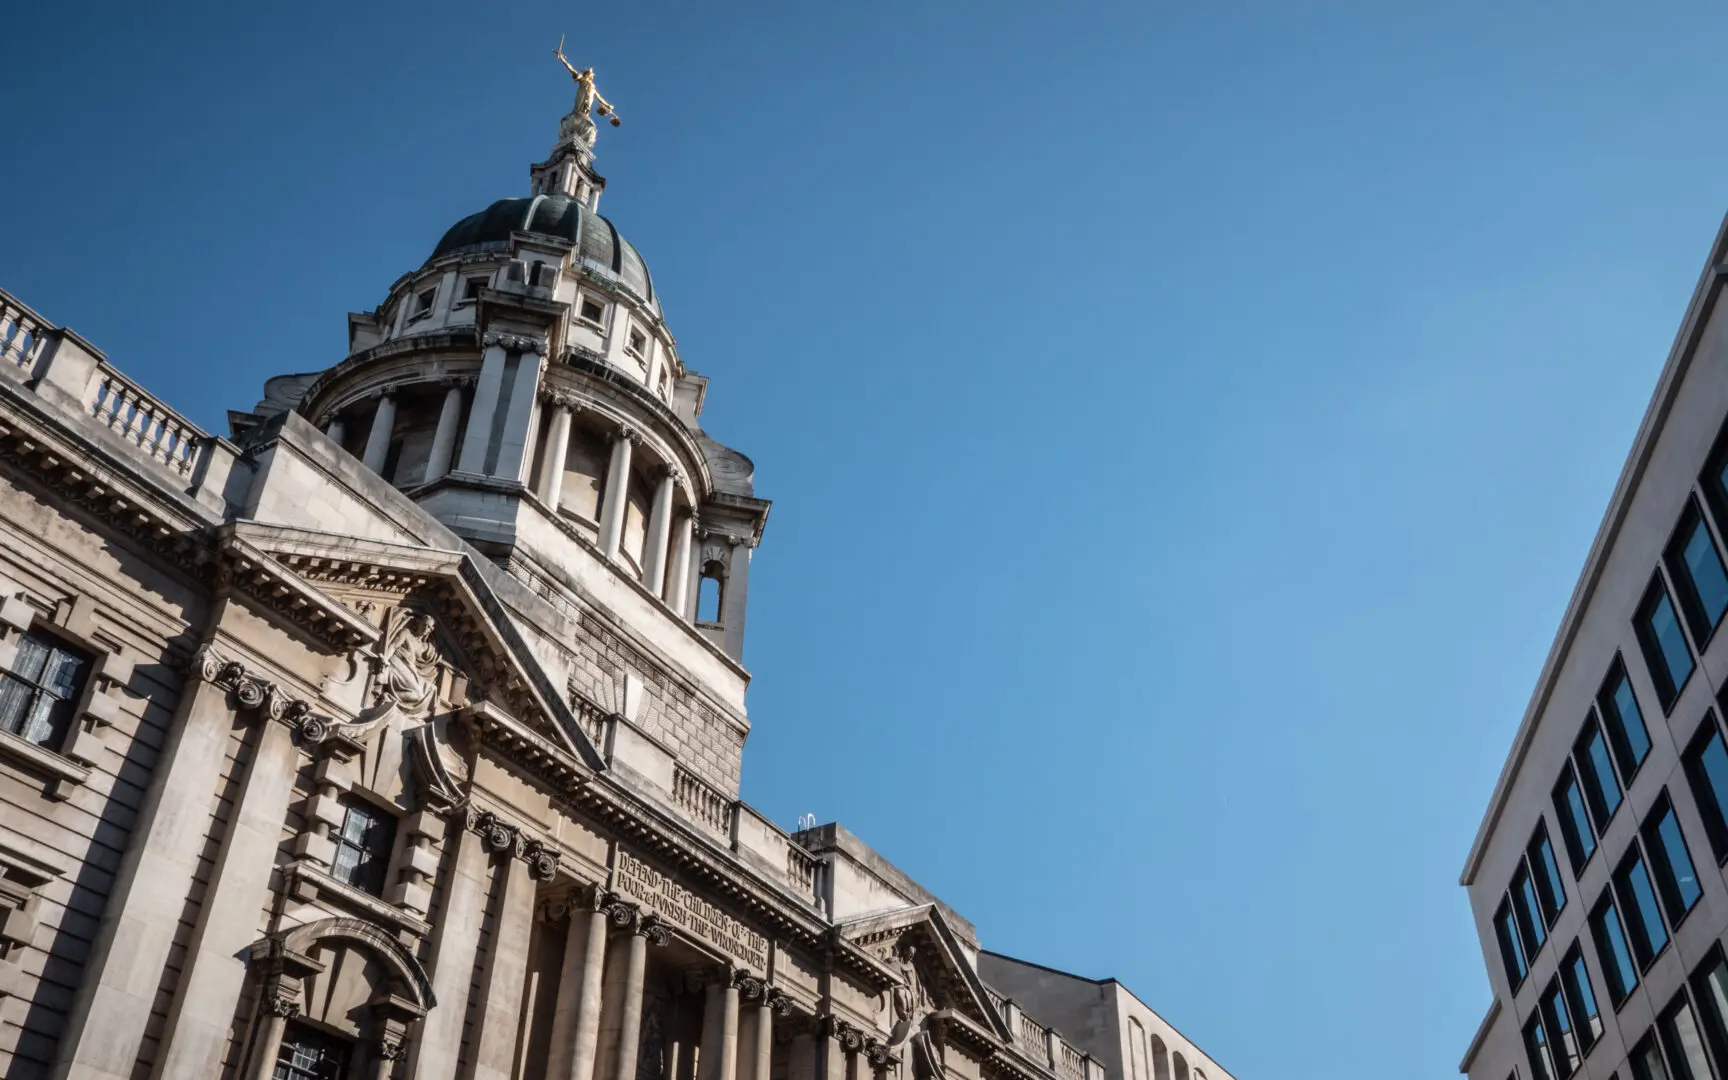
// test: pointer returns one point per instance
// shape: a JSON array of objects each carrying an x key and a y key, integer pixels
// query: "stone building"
[
  {"x": 397, "y": 732},
  {"x": 1596, "y": 878}
]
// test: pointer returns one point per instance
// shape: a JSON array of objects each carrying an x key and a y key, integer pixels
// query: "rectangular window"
[
  {"x": 1511, "y": 951},
  {"x": 1532, "y": 927},
  {"x": 1707, "y": 773},
  {"x": 1623, "y": 721},
  {"x": 310, "y": 1054},
  {"x": 1646, "y": 1060},
  {"x": 1541, "y": 1055},
  {"x": 1596, "y": 774},
  {"x": 1576, "y": 832},
  {"x": 637, "y": 345},
  {"x": 1670, "y": 862},
  {"x": 1695, "y": 567},
  {"x": 423, "y": 303},
  {"x": 1610, "y": 935},
  {"x": 592, "y": 311},
  {"x": 1640, "y": 908},
  {"x": 1710, "y": 987},
  {"x": 471, "y": 289},
  {"x": 1580, "y": 999},
  {"x": 1663, "y": 642},
  {"x": 1683, "y": 1041},
  {"x": 1545, "y": 871},
  {"x": 1563, "y": 1045},
  {"x": 363, "y": 847},
  {"x": 40, "y": 691}
]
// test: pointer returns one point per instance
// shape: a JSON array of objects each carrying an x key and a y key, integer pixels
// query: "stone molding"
[
  {"x": 525, "y": 343},
  {"x": 499, "y": 836},
  {"x": 254, "y": 692}
]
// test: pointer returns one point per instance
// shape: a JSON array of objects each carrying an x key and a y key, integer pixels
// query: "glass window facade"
[
  {"x": 1545, "y": 872},
  {"x": 1640, "y": 909},
  {"x": 1511, "y": 950},
  {"x": 1563, "y": 1047},
  {"x": 1663, "y": 642},
  {"x": 1596, "y": 774},
  {"x": 1532, "y": 927},
  {"x": 1542, "y": 1065},
  {"x": 1707, "y": 774},
  {"x": 1581, "y": 999},
  {"x": 1576, "y": 831},
  {"x": 310, "y": 1054},
  {"x": 1623, "y": 721},
  {"x": 1695, "y": 567},
  {"x": 1684, "y": 1042},
  {"x": 1646, "y": 1060},
  {"x": 1611, "y": 947},
  {"x": 1671, "y": 864}
]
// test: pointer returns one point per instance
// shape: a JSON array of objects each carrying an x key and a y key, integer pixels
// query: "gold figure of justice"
[{"x": 586, "y": 96}]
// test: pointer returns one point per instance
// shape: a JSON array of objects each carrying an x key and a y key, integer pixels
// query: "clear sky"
[{"x": 1185, "y": 421}]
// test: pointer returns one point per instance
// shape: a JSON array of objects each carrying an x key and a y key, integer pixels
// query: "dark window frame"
[
  {"x": 1669, "y": 1036},
  {"x": 1668, "y": 691},
  {"x": 1646, "y": 1044},
  {"x": 1550, "y": 889},
  {"x": 1574, "y": 994},
  {"x": 1632, "y": 914},
  {"x": 1558, "y": 1023},
  {"x": 1711, "y": 809},
  {"x": 1664, "y": 876},
  {"x": 1710, "y": 1019},
  {"x": 1607, "y": 907},
  {"x": 370, "y": 870},
  {"x": 1543, "y": 1065},
  {"x": 1691, "y": 602},
  {"x": 1617, "y": 726},
  {"x": 1589, "y": 775},
  {"x": 1580, "y": 848},
  {"x": 1512, "y": 958},
  {"x": 54, "y": 644}
]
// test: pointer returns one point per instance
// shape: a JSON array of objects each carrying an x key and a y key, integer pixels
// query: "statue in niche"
[
  {"x": 910, "y": 1006},
  {"x": 404, "y": 670}
]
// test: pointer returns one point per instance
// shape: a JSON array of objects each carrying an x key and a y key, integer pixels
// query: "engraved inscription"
[{"x": 684, "y": 909}]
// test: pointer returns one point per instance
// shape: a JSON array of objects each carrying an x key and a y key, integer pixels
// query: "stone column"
[
  {"x": 482, "y": 412},
  {"x": 273, "y": 1012},
  {"x": 801, "y": 1055},
  {"x": 444, "y": 438},
  {"x": 617, "y": 493},
  {"x": 433, "y": 1053},
  {"x": 517, "y": 431},
  {"x": 576, "y": 1020},
  {"x": 719, "y": 1057},
  {"x": 214, "y": 972},
  {"x": 337, "y": 430},
  {"x": 737, "y": 590},
  {"x": 556, "y": 451},
  {"x": 378, "y": 439},
  {"x": 630, "y": 1019},
  {"x": 756, "y": 1029},
  {"x": 506, "y": 970},
  {"x": 678, "y": 566},
  {"x": 659, "y": 528},
  {"x": 112, "y": 1008}
]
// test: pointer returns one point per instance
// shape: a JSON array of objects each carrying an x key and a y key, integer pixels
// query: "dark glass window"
[
  {"x": 363, "y": 847},
  {"x": 1532, "y": 928},
  {"x": 1576, "y": 832},
  {"x": 1623, "y": 721},
  {"x": 1695, "y": 567},
  {"x": 1580, "y": 999},
  {"x": 471, "y": 289},
  {"x": 1596, "y": 773},
  {"x": 38, "y": 694},
  {"x": 1545, "y": 871},
  {"x": 1511, "y": 952},
  {"x": 1541, "y": 1055},
  {"x": 1670, "y": 863},
  {"x": 1664, "y": 644},
  {"x": 310, "y": 1054},
  {"x": 1610, "y": 935},
  {"x": 1707, "y": 772},
  {"x": 1646, "y": 1060},
  {"x": 1563, "y": 1045},
  {"x": 1710, "y": 987},
  {"x": 1640, "y": 908},
  {"x": 1683, "y": 1041}
]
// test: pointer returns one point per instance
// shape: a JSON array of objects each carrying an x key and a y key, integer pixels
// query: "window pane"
[
  {"x": 347, "y": 862},
  {"x": 44, "y": 721},
  {"x": 1512, "y": 953},
  {"x": 1530, "y": 922},
  {"x": 1581, "y": 998},
  {"x": 32, "y": 656},
  {"x": 1679, "y": 882},
  {"x": 1575, "y": 828},
  {"x": 1644, "y": 915},
  {"x": 1647, "y": 1062},
  {"x": 1536, "y": 1042},
  {"x": 1617, "y": 964},
  {"x": 1602, "y": 788},
  {"x": 1564, "y": 1048},
  {"x": 1624, "y": 721},
  {"x": 1684, "y": 1043},
  {"x": 1664, "y": 643},
  {"x": 1707, "y": 771},
  {"x": 1703, "y": 570},
  {"x": 14, "y": 703},
  {"x": 1710, "y": 987},
  {"x": 1549, "y": 889}
]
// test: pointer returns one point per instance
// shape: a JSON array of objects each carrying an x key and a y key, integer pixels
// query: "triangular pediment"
[
  {"x": 386, "y": 604},
  {"x": 917, "y": 945}
]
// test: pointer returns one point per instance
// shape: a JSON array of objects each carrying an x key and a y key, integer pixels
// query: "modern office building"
[
  {"x": 1596, "y": 878},
  {"x": 396, "y": 733}
]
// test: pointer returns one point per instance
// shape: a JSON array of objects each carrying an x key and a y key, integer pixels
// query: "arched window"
[
  {"x": 711, "y": 593},
  {"x": 1160, "y": 1060},
  {"x": 1181, "y": 1068},
  {"x": 1136, "y": 1049}
]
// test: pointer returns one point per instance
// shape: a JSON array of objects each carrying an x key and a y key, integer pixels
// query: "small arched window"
[{"x": 710, "y": 593}]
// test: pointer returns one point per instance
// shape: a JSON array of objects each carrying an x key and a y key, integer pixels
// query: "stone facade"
[
  {"x": 397, "y": 732},
  {"x": 1596, "y": 878}
]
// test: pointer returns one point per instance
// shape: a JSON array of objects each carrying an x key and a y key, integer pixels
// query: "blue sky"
[{"x": 1185, "y": 421}]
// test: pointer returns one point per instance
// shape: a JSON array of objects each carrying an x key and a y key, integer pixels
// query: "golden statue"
[{"x": 588, "y": 99}]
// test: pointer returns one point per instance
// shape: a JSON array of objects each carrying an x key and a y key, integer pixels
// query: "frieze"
[{"x": 684, "y": 909}]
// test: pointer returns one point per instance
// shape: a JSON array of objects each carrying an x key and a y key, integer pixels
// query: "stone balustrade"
[
  {"x": 21, "y": 334},
  {"x": 706, "y": 806},
  {"x": 800, "y": 869},
  {"x": 1044, "y": 1045},
  {"x": 161, "y": 434}
]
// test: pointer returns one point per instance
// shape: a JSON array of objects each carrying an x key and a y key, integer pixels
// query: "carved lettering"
[{"x": 684, "y": 909}]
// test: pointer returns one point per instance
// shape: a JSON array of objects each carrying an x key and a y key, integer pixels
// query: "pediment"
[
  {"x": 918, "y": 946},
  {"x": 421, "y": 630}
]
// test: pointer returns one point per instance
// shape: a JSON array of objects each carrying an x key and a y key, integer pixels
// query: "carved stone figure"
[
  {"x": 404, "y": 670},
  {"x": 588, "y": 100}
]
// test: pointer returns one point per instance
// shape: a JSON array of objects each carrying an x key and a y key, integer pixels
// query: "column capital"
[
  {"x": 777, "y": 1000},
  {"x": 527, "y": 343},
  {"x": 282, "y": 999},
  {"x": 457, "y": 382},
  {"x": 650, "y": 927},
  {"x": 672, "y": 473},
  {"x": 559, "y": 399},
  {"x": 629, "y": 434},
  {"x": 750, "y": 988},
  {"x": 379, "y": 393}
]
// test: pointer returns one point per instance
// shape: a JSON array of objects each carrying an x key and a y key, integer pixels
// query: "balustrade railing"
[
  {"x": 800, "y": 869},
  {"x": 163, "y": 435},
  {"x": 705, "y": 804},
  {"x": 21, "y": 334},
  {"x": 1070, "y": 1063},
  {"x": 1033, "y": 1037}
]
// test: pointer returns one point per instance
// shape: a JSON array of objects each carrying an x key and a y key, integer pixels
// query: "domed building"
[{"x": 397, "y": 733}]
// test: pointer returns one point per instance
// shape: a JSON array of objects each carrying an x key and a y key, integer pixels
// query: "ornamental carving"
[
  {"x": 750, "y": 988},
  {"x": 252, "y": 691},
  {"x": 283, "y": 1003},
  {"x": 542, "y": 860},
  {"x": 526, "y": 343},
  {"x": 779, "y": 1003},
  {"x": 654, "y": 930},
  {"x": 392, "y": 1048},
  {"x": 404, "y": 665}
]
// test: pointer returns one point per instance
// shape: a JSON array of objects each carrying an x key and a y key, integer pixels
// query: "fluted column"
[
  {"x": 630, "y": 1020},
  {"x": 617, "y": 492},
  {"x": 378, "y": 440},
  {"x": 659, "y": 526},
  {"x": 444, "y": 438},
  {"x": 677, "y": 590},
  {"x": 576, "y": 1019},
  {"x": 556, "y": 451}
]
